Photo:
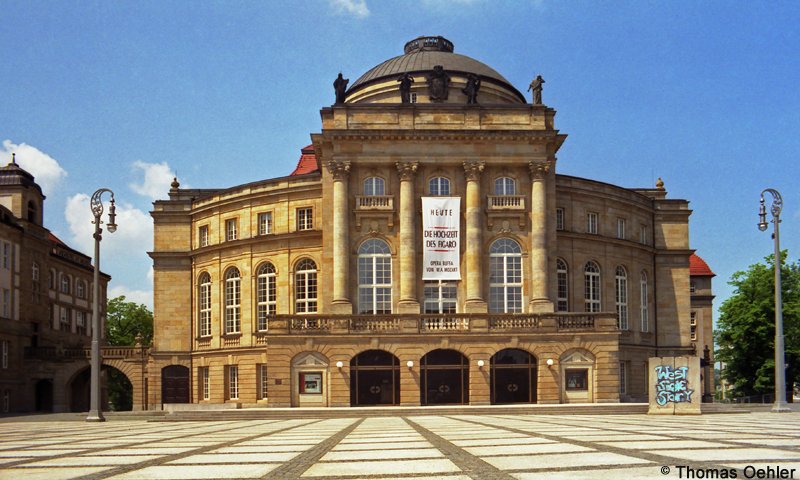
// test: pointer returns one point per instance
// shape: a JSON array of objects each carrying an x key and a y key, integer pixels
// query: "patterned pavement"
[{"x": 449, "y": 447}]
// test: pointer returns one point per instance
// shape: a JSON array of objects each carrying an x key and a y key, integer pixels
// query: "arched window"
[
  {"x": 505, "y": 186},
  {"x": 374, "y": 277},
  {"x": 233, "y": 319},
  {"x": 505, "y": 276},
  {"x": 621, "y": 297},
  {"x": 305, "y": 287},
  {"x": 562, "y": 281},
  {"x": 266, "y": 294},
  {"x": 591, "y": 287},
  {"x": 374, "y": 186},
  {"x": 204, "y": 305},
  {"x": 65, "y": 283},
  {"x": 439, "y": 186},
  {"x": 644, "y": 301}
]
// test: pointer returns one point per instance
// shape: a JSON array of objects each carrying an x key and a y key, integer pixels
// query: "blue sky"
[{"x": 125, "y": 94}]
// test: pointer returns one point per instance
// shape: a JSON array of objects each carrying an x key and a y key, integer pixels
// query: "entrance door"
[
  {"x": 513, "y": 377},
  {"x": 175, "y": 384},
  {"x": 444, "y": 377},
  {"x": 44, "y": 395},
  {"x": 375, "y": 379}
]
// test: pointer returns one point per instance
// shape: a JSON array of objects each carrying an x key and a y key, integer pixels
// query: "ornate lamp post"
[
  {"x": 95, "y": 412},
  {"x": 780, "y": 370}
]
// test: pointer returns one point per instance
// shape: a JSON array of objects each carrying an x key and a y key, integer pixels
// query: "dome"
[{"x": 421, "y": 55}]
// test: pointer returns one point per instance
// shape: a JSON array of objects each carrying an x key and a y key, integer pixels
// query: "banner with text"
[{"x": 440, "y": 238}]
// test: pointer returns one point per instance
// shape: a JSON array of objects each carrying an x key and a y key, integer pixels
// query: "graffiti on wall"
[{"x": 672, "y": 385}]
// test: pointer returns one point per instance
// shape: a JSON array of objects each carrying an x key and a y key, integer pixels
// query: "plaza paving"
[{"x": 450, "y": 447}]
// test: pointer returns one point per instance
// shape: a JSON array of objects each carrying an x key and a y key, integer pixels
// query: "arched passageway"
[
  {"x": 513, "y": 377},
  {"x": 375, "y": 379},
  {"x": 444, "y": 378}
]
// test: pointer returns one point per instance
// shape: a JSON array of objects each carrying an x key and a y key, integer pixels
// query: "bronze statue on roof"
[
  {"x": 536, "y": 86},
  {"x": 340, "y": 87},
  {"x": 405, "y": 87},
  {"x": 438, "y": 83},
  {"x": 471, "y": 89}
]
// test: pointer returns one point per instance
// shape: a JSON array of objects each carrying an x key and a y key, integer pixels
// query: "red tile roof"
[
  {"x": 699, "y": 267},
  {"x": 307, "y": 162}
]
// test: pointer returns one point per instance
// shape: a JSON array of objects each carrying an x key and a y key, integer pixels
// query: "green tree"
[
  {"x": 746, "y": 328},
  {"x": 127, "y": 320}
]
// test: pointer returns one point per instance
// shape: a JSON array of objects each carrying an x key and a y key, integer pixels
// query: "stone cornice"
[{"x": 529, "y": 136}]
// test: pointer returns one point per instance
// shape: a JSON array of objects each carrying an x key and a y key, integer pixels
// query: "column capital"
[
  {"x": 473, "y": 170},
  {"x": 539, "y": 170},
  {"x": 339, "y": 169},
  {"x": 407, "y": 170}
]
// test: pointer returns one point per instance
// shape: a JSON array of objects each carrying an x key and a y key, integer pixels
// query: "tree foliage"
[
  {"x": 746, "y": 328},
  {"x": 126, "y": 321}
]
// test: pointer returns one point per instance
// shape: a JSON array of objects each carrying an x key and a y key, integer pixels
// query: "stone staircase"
[{"x": 336, "y": 412}]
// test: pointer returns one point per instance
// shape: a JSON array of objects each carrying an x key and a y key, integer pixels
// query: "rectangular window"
[
  {"x": 310, "y": 383},
  {"x": 692, "y": 287},
  {"x": 576, "y": 379},
  {"x": 6, "y": 302},
  {"x": 440, "y": 297},
  {"x": 5, "y": 354},
  {"x": 305, "y": 219},
  {"x": 623, "y": 378},
  {"x": 263, "y": 381},
  {"x": 693, "y": 326},
  {"x": 205, "y": 382},
  {"x": 591, "y": 223},
  {"x": 6, "y": 255},
  {"x": 80, "y": 322},
  {"x": 643, "y": 235},
  {"x": 559, "y": 219},
  {"x": 621, "y": 228},
  {"x": 265, "y": 223},
  {"x": 645, "y": 320},
  {"x": 413, "y": 98},
  {"x": 202, "y": 234},
  {"x": 233, "y": 382},
  {"x": 231, "y": 230},
  {"x": 66, "y": 324},
  {"x": 205, "y": 309}
]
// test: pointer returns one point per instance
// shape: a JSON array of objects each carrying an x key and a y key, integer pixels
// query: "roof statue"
[
  {"x": 340, "y": 86},
  {"x": 438, "y": 83},
  {"x": 536, "y": 86},
  {"x": 471, "y": 90},
  {"x": 405, "y": 87}
]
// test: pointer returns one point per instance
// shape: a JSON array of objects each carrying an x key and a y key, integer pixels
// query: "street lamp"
[
  {"x": 780, "y": 371},
  {"x": 95, "y": 412}
]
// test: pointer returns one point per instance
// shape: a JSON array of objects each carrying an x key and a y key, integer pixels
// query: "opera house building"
[{"x": 425, "y": 251}]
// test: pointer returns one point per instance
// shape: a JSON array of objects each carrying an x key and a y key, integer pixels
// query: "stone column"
[
  {"x": 408, "y": 303},
  {"x": 341, "y": 303},
  {"x": 540, "y": 302},
  {"x": 473, "y": 255}
]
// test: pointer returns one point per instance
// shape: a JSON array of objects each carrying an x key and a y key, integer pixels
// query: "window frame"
[
  {"x": 233, "y": 382},
  {"x": 502, "y": 184},
  {"x": 204, "y": 305},
  {"x": 592, "y": 223},
  {"x": 560, "y": 219},
  {"x": 562, "y": 280},
  {"x": 266, "y": 295},
  {"x": 592, "y": 293},
  {"x": 309, "y": 284},
  {"x": 693, "y": 325},
  {"x": 305, "y": 219},
  {"x": 265, "y": 224},
  {"x": 621, "y": 228},
  {"x": 644, "y": 314},
  {"x": 373, "y": 266},
  {"x": 231, "y": 229},
  {"x": 621, "y": 297},
  {"x": 202, "y": 235},
  {"x": 371, "y": 184},
  {"x": 444, "y": 304},
  {"x": 233, "y": 301},
  {"x": 510, "y": 265},
  {"x": 436, "y": 186}
]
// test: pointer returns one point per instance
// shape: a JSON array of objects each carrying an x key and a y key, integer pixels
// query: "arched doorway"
[
  {"x": 444, "y": 377},
  {"x": 513, "y": 376},
  {"x": 79, "y": 391},
  {"x": 44, "y": 395},
  {"x": 374, "y": 379},
  {"x": 175, "y": 384}
]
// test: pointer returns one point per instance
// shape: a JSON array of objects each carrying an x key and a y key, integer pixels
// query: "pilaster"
[
  {"x": 540, "y": 302},
  {"x": 475, "y": 302},
  {"x": 409, "y": 302},
  {"x": 340, "y": 304}
]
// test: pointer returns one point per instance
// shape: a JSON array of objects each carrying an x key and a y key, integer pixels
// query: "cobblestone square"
[{"x": 451, "y": 447}]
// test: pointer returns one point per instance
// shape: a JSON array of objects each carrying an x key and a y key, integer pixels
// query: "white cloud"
[
  {"x": 156, "y": 179},
  {"x": 357, "y": 8},
  {"x": 45, "y": 169},
  {"x": 131, "y": 295},
  {"x": 124, "y": 252}
]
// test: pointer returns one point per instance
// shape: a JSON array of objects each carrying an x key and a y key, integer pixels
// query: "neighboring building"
[
  {"x": 701, "y": 321},
  {"x": 308, "y": 290},
  {"x": 45, "y": 302}
]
